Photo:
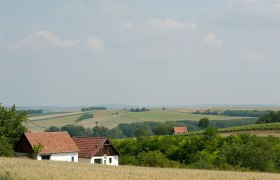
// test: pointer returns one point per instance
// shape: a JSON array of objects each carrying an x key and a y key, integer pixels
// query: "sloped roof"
[
  {"x": 54, "y": 142},
  {"x": 89, "y": 146},
  {"x": 180, "y": 129}
]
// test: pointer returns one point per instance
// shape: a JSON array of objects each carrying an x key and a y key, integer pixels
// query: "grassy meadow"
[
  {"x": 111, "y": 118},
  {"x": 16, "y": 168}
]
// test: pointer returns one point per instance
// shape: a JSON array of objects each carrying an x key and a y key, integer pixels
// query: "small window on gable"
[{"x": 110, "y": 160}]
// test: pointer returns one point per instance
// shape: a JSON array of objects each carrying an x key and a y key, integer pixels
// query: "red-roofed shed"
[
  {"x": 180, "y": 130},
  {"x": 57, "y": 146}
]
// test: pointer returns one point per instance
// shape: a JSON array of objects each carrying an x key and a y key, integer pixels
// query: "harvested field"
[{"x": 12, "y": 168}]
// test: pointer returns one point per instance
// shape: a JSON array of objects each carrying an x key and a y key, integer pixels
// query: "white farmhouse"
[
  {"x": 57, "y": 146},
  {"x": 97, "y": 150}
]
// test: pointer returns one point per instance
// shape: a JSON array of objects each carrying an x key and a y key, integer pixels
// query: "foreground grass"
[{"x": 11, "y": 168}]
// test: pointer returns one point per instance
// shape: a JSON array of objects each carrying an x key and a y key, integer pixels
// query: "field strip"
[
  {"x": 42, "y": 118},
  {"x": 16, "y": 168}
]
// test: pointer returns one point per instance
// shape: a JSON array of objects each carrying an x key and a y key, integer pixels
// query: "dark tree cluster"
[
  {"x": 31, "y": 111},
  {"x": 93, "y": 108},
  {"x": 85, "y": 116},
  {"x": 139, "y": 109},
  {"x": 270, "y": 117},
  {"x": 241, "y": 113}
]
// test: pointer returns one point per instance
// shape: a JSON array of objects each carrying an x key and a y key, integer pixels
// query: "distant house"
[
  {"x": 180, "y": 130},
  {"x": 57, "y": 146},
  {"x": 97, "y": 150}
]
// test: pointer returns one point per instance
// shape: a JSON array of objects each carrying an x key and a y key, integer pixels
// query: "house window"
[
  {"x": 97, "y": 161},
  {"x": 110, "y": 160},
  {"x": 72, "y": 159},
  {"x": 46, "y": 157}
]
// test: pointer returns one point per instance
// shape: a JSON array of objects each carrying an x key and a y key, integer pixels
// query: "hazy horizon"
[{"x": 149, "y": 53}]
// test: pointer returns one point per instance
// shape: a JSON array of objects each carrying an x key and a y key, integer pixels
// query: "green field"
[{"x": 111, "y": 118}]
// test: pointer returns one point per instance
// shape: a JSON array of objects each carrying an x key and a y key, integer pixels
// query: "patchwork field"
[
  {"x": 12, "y": 168},
  {"x": 111, "y": 118}
]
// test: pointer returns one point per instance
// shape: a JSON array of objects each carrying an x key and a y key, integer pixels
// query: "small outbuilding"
[
  {"x": 180, "y": 130},
  {"x": 97, "y": 150},
  {"x": 57, "y": 146}
]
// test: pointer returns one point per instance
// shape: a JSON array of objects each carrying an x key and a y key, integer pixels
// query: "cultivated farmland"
[
  {"x": 111, "y": 118},
  {"x": 12, "y": 168}
]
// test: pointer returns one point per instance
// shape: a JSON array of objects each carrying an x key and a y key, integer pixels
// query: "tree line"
[
  {"x": 84, "y": 117},
  {"x": 31, "y": 111},
  {"x": 208, "y": 151},
  {"x": 139, "y": 109},
  {"x": 93, "y": 108},
  {"x": 241, "y": 113}
]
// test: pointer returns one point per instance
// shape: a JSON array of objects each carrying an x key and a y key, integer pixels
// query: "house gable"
[
  {"x": 23, "y": 146},
  {"x": 92, "y": 146}
]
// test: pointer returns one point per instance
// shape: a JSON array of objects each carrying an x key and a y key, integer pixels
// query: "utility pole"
[{"x": 96, "y": 127}]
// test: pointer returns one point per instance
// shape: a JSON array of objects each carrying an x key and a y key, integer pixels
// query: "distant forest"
[
  {"x": 31, "y": 111},
  {"x": 241, "y": 113},
  {"x": 93, "y": 108}
]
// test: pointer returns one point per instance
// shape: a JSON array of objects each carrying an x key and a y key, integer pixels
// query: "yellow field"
[{"x": 12, "y": 168}]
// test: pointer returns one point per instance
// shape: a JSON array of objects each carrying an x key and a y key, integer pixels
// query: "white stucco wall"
[
  {"x": 62, "y": 157},
  {"x": 115, "y": 160}
]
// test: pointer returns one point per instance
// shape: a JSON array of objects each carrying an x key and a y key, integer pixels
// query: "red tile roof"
[
  {"x": 180, "y": 129},
  {"x": 89, "y": 146},
  {"x": 54, "y": 142}
]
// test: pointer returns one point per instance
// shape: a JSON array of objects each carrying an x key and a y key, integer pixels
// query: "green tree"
[
  {"x": 74, "y": 130},
  {"x": 155, "y": 159},
  {"x": 53, "y": 129},
  {"x": 143, "y": 131},
  {"x": 204, "y": 122},
  {"x": 11, "y": 128},
  {"x": 36, "y": 149},
  {"x": 6, "y": 149}
]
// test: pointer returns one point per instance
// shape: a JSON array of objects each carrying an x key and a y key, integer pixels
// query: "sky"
[{"x": 160, "y": 52}]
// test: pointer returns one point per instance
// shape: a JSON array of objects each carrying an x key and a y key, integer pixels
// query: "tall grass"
[{"x": 12, "y": 168}]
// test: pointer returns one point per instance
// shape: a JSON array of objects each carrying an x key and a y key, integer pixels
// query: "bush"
[
  {"x": 53, "y": 129},
  {"x": 85, "y": 116},
  {"x": 204, "y": 160},
  {"x": 6, "y": 149},
  {"x": 128, "y": 160},
  {"x": 155, "y": 159},
  {"x": 204, "y": 122}
]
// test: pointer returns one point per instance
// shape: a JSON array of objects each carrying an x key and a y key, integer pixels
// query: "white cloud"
[
  {"x": 49, "y": 37},
  {"x": 127, "y": 25},
  {"x": 40, "y": 38},
  {"x": 94, "y": 43},
  {"x": 169, "y": 24},
  {"x": 212, "y": 40}
]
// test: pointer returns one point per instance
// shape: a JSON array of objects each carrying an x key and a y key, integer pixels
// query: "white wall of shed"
[
  {"x": 62, "y": 157},
  {"x": 115, "y": 160}
]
